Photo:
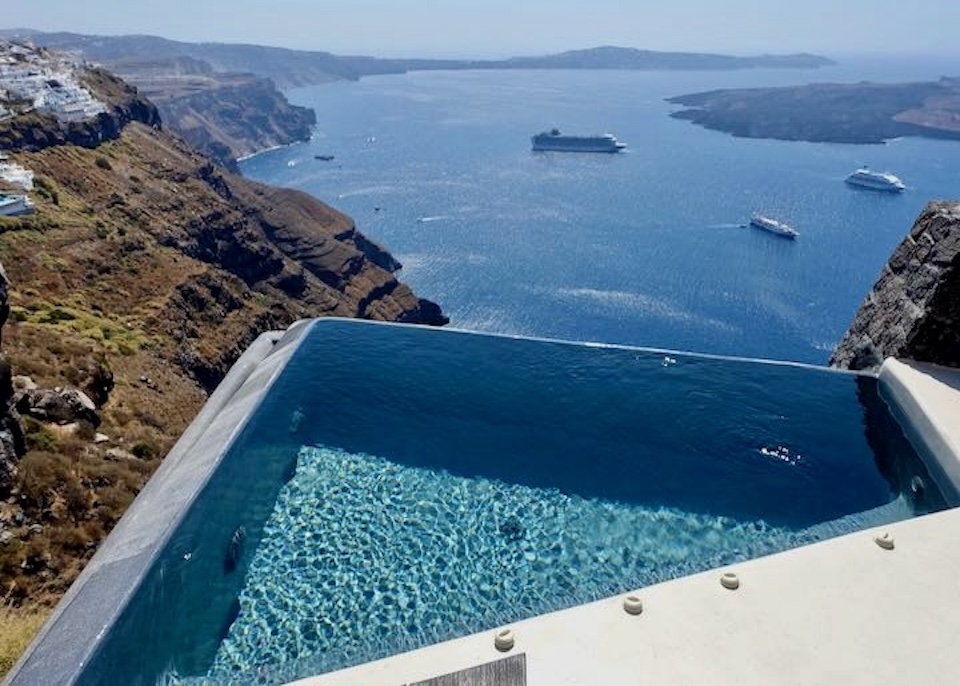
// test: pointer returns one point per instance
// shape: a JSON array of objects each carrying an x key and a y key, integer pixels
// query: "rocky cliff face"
[
  {"x": 913, "y": 310},
  {"x": 226, "y": 116}
]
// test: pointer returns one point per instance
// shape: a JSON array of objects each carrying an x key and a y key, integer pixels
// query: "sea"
[{"x": 650, "y": 247}]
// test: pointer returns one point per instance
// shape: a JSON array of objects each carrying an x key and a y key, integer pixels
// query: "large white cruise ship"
[
  {"x": 878, "y": 181},
  {"x": 553, "y": 140}
]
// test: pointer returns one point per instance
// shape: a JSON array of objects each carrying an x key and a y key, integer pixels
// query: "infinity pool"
[{"x": 400, "y": 486}]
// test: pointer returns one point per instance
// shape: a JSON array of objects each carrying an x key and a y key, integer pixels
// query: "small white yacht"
[
  {"x": 772, "y": 225},
  {"x": 877, "y": 181}
]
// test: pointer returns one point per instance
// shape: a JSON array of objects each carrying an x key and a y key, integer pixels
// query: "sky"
[{"x": 502, "y": 28}]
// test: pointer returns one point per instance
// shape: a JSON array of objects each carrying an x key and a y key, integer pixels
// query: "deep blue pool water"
[
  {"x": 447, "y": 483},
  {"x": 649, "y": 247}
]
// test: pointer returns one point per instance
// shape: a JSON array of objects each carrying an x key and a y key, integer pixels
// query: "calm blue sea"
[{"x": 644, "y": 248}]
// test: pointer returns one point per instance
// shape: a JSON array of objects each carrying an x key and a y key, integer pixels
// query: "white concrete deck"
[{"x": 845, "y": 611}]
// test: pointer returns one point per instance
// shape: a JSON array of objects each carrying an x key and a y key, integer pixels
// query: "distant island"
[
  {"x": 293, "y": 68},
  {"x": 830, "y": 112},
  {"x": 226, "y": 99}
]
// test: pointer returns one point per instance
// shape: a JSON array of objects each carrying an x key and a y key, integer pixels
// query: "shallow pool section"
[
  {"x": 364, "y": 558},
  {"x": 381, "y": 487}
]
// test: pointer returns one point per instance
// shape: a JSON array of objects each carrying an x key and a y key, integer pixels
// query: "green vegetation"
[
  {"x": 146, "y": 450},
  {"x": 46, "y": 189},
  {"x": 38, "y": 436},
  {"x": 103, "y": 163},
  {"x": 119, "y": 334}
]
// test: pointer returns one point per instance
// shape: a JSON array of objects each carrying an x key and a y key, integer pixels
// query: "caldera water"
[{"x": 649, "y": 247}]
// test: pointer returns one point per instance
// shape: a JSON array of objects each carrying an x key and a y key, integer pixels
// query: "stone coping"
[{"x": 925, "y": 399}]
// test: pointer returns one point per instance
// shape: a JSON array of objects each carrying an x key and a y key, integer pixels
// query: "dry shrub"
[
  {"x": 41, "y": 477},
  {"x": 18, "y": 626}
]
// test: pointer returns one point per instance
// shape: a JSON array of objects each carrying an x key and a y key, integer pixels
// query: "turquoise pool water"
[
  {"x": 448, "y": 483},
  {"x": 399, "y": 486}
]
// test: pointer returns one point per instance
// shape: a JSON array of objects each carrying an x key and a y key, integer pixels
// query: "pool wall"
[
  {"x": 92, "y": 618},
  {"x": 925, "y": 399},
  {"x": 170, "y": 530}
]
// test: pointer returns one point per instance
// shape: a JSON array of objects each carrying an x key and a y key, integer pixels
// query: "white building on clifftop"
[{"x": 36, "y": 79}]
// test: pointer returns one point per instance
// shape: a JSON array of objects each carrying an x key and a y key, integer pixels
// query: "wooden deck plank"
[{"x": 510, "y": 671}]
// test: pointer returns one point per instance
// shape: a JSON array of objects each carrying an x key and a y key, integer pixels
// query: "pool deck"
[{"x": 873, "y": 607}]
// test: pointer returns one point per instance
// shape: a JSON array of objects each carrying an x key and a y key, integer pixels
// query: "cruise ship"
[
  {"x": 13, "y": 205},
  {"x": 878, "y": 181},
  {"x": 772, "y": 225},
  {"x": 555, "y": 141}
]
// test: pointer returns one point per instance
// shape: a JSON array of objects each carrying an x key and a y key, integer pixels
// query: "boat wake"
[
  {"x": 623, "y": 302},
  {"x": 437, "y": 218}
]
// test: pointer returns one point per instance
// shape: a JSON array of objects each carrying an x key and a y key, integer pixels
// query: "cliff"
[
  {"x": 830, "y": 112},
  {"x": 143, "y": 275},
  {"x": 224, "y": 115},
  {"x": 287, "y": 68},
  {"x": 913, "y": 311}
]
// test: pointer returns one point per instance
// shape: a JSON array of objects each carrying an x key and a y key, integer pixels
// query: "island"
[{"x": 830, "y": 112}]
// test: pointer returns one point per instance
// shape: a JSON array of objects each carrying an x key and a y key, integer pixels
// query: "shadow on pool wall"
[
  {"x": 793, "y": 445},
  {"x": 895, "y": 456}
]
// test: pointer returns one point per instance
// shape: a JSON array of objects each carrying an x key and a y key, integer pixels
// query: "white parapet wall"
[{"x": 925, "y": 398}]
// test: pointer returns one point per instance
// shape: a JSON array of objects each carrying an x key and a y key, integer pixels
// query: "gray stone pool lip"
[{"x": 100, "y": 594}]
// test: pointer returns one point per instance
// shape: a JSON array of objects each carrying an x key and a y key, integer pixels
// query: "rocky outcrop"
[
  {"x": 4, "y": 299},
  {"x": 225, "y": 116},
  {"x": 913, "y": 311},
  {"x": 146, "y": 261},
  {"x": 58, "y": 406},
  {"x": 12, "y": 445}
]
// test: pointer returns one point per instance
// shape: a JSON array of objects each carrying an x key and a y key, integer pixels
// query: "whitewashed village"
[{"x": 36, "y": 80}]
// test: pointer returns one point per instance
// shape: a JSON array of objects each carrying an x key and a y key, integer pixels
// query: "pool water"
[
  {"x": 364, "y": 558},
  {"x": 447, "y": 483}
]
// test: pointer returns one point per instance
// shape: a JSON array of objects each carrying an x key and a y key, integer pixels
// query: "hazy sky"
[{"x": 483, "y": 28}]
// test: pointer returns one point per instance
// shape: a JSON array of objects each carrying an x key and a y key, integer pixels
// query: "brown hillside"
[{"x": 147, "y": 260}]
